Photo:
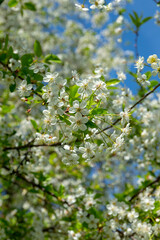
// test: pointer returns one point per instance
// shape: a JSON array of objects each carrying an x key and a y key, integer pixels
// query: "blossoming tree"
[{"x": 79, "y": 152}]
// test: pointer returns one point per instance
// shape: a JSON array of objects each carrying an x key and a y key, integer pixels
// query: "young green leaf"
[
  {"x": 12, "y": 3},
  {"x": 30, "y": 6},
  {"x": 52, "y": 58},
  {"x": 37, "y": 48},
  {"x": 113, "y": 81}
]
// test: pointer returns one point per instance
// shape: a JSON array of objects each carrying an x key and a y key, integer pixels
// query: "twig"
[
  {"x": 139, "y": 101},
  {"x": 143, "y": 189}
]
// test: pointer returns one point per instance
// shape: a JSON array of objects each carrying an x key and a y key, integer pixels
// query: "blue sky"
[
  {"x": 149, "y": 35},
  {"x": 149, "y": 42}
]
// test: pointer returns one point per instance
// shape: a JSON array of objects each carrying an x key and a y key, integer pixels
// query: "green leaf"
[
  {"x": 73, "y": 90},
  {"x": 52, "y": 58},
  {"x": 103, "y": 78},
  {"x": 12, "y": 87},
  {"x": 30, "y": 6},
  {"x": 12, "y": 3},
  {"x": 37, "y": 77},
  {"x": 91, "y": 124},
  {"x": 99, "y": 111},
  {"x": 148, "y": 74},
  {"x": 65, "y": 120},
  {"x": 34, "y": 124},
  {"x": 37, "y": 48},
  {"x": 132, "y": 19},
  {"x": 133, "y": 74},
  {"x": 3, "y": 56},
  {"x": 146, "y": 20},
  {"x": 26, "y": 59},
  {"x": 153, "y": 84},
  {"x": 61, "y": 190},
  {"x": 1, "y": 1},
  {"x": 113, "y": 81},
  {"x": 7, "y": 109}
]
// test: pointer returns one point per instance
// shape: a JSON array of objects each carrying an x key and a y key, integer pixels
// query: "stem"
[
  {"x": 143, "y": 189},
  {"x": 139, "y": 101},
  {"x": 136, "y": 43}
]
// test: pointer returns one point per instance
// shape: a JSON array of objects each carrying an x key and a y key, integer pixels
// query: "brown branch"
[
  {"x": 31, "y": 146},
  {"x": 40, "y": 187},
  {"x": 143, "y": 189},
  {"x": 139, "y": 101}
]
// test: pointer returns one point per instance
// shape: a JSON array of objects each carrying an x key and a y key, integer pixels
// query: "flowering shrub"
[{"x": 79, "y": 152}]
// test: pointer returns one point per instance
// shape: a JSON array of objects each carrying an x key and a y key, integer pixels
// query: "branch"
[
  {"x": 40, "y": 187},
  {"x": 143, "y": 189},
  {"x": 31, "y": 146},
  {"x": 139, "y": 101}
]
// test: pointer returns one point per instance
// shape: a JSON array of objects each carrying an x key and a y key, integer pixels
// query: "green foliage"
[
  {"x": 138, "y": 21},
  {"x": 12, "y": 3},
  {"x": 52, "y": 58},
  {"x": 37, "y": 48},
  {"x": 30, "y": 6},
  {"x": 26, "y": 59},
  {"x": 112, "y": 82}
]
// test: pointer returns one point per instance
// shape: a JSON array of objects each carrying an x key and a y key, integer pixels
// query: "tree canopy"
[{"x": 79, "y": 152}]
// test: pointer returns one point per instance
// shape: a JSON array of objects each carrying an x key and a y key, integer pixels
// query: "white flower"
[
  {"x": 112, "y": 209},
  {"x": 100, "y": 87},
  {"x": 81, "y": 7},
  {"x": 147, "y": 203},
  {"x": 75, "y": 76},
  {"x": 73, "y": 235},
  {"x": 96, "y": 4},
  {"x": 37, "y": 67},
  {"x": 156, "y": 66},
  {"x": 70, "y": 157},
  {"x": 119, "y": 143},
  {"x": 124, "y": 116},
  {"x": 45, "y": 138},
  {"x": 140, "y": 64},
  {"x": 132, "y": 216},
  {"x": 92, "y": 221},
  {"x": 152, "y": 59},
  {"x": 143, "y": 229},
  {"x": 142, "y": 78},
  {"x": 50, "y": 77},
  {"x": 109, "y": 7},
  {"x": 47, "y": 92},
  {"x": 79, "y": 107},
  {"x": 99, "y": 72},
  {"x": 85, "y": 87},
  {"x": 49, "y": 119},
  {"x": 88, "y": 150},
  {"x": 60, "y": 82},
  {"x": 24, "y": 88},
  {"x": 9, "y": 79},
  {"x": 79, "y": 122},
  {"x": 121, "y": 76},
  {"x": 126, "y": 130},
  {"x": 13, "y": 64}
]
